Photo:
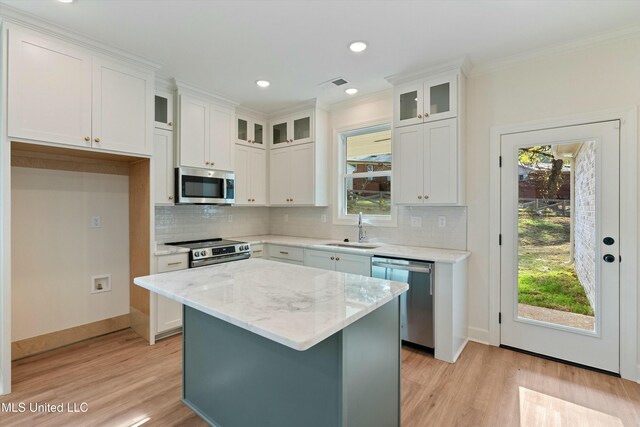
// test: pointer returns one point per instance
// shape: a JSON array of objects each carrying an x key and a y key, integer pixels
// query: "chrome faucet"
[{"x": 362, "y": 234}]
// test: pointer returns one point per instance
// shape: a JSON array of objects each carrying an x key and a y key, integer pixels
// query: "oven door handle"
[
  {"x": 211, "y": 261},
  {"x": 416, "y": 268}
]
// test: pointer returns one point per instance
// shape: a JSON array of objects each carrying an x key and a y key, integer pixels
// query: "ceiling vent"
[
  {"x": 339, "y": 82},
  {"x": 333, "y": 83}
]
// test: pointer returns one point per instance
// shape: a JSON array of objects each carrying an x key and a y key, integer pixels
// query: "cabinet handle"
[
  {"x": 426, "y": 197},
  {"x": 332, "y": 258},
  {"x": 257, "y": 252},
  {"x": 87, "y": 138},
  {"x": 170, "y": 197},
  {"x": 292, "y": 200},
  {"x": 284, "y": 253},
  {"x": 337, "y": 258},
  {"x": 170, "y": 123},
  {"x": 419, "y": 116},
  {"x": 175, "y": 263},
  {"x": 212, "y": 163},
  {"x": 253, "y": 200},
  {"x": 248, "y": 200},
  {"x": 420, "y": 197},
  {"x": 97, "y": 140},
  {"x": 206, "y": 163}
]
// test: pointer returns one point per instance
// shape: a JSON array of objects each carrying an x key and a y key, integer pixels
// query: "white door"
[
  {"x": 221, "y": 140},
  {"x": 354, "y": 264},
  {"x": 194, "y": 132},
  {"x": 243, "y": 175},
  {"x": 440, "y": 181},
  {"x": 320, "y": 259},
  {"x": 408, "y": 152},
  {"x": 560, "y": 272},
  {"x": 441, "y": 98},
  {"x": 302, "y": 174},
  {"x": 122, "y": 110},
  {"x": 163, "y": 158},
  {"x": 280, "y": 171},
  {"x": 258, "y": 173}
]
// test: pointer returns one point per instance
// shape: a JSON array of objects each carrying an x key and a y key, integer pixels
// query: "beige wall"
[
  {"x": 583, "y": 80},
  {"x": 55, "y": 252}
]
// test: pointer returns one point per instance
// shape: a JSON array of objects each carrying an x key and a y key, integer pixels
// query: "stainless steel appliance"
[
  {"x": 214, "y": 251},
  {"x": 204, "y": 186},
  {"x": 416, "y": 305}
]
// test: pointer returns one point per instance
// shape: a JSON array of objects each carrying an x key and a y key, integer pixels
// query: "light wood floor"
[{"x": 125, "y": 381}]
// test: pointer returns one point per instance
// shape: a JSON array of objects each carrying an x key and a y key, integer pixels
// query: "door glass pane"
[
  {"x": 409, "y": 105},
  {"x": 557, "y": 280},
  {"x": 302, "y": 128},
  {"x": 161, "y": 106},
  {"x": 242, "y": 130},
  {"x": 439, "y": 98},
  {"x": 369, "y": 195},
  {"x": 258, "y": 133},
  {"x": 280, "y": 133}
]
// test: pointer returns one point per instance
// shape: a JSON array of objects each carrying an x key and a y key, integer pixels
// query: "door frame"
[{"x": 628, "y": 117}]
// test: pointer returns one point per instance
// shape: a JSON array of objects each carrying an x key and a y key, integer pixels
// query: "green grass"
[
  {"x": 545, "y": 279},
  {"x": 368, "y": 207}
]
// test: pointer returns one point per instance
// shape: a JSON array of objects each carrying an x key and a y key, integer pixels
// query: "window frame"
[{"x": 340, "y": 217}]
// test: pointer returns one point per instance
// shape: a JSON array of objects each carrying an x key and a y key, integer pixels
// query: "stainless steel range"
[{"x": 214, "y": 251}]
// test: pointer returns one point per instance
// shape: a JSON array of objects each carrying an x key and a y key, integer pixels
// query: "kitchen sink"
[{"x": 354, "y": 245}]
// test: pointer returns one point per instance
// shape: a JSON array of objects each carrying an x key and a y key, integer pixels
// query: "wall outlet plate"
[
  {"x": 442, "y": 221},
  {"x": 416, "y": 221},
  {"x": 323, "y": 218},
  {"x": 230, "y": 218},
  {"x": 96, "y": 222},
  {"x": 101, "y": 283}
]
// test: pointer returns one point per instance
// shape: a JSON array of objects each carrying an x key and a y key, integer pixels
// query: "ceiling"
[{"x": 225, "y": 46}]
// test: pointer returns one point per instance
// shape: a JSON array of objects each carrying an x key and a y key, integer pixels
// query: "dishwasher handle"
[{"x": 416, "y": 268}]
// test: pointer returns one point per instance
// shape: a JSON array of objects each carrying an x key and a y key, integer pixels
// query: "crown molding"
[
  {"x": 463, "y": 64},
  {"x": 558, "y": 49},
  {"x": 31, "y": 22},
  {"x": 246, "y": 111},
  {"x": 184, "y": 87},
  {"x": 165, "y": 84},
  {"x": 305, "y": 105},
  {"x": 364, "y": 99}
]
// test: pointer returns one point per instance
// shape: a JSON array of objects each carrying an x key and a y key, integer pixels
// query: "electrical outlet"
[
  {"x": 230, "y": 218},
  {"x": 442, "y": 221},
  {"x": 323, "y": 218},
  {"x": 101, "y": 283},
  {"x": 416, "y": 221},
  {"x": 96, "y": 222},
  {"x": 286, "y": 218}
]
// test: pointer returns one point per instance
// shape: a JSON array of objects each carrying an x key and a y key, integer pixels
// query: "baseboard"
[
  {"x": 46, "y": 342},
  {"x": 140, "y": 323},
  {"x": 478, "y": 335}
]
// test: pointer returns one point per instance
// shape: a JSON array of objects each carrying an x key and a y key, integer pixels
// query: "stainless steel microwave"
[{"x": 204, "y": 186}]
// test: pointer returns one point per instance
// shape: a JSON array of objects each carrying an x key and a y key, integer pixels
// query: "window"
[{"x": 364, "y": 180}]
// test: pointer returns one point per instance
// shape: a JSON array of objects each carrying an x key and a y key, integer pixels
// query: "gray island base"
[{"x": 235, "y": 378}]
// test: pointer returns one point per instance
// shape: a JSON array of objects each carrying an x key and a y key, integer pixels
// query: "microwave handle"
[{"x": 224, "y": 188}]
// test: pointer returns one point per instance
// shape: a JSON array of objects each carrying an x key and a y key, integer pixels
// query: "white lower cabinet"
[
  {"x": 257, "y": 251},
  {"x": 345, "y": 263},
  {"x": 169, "y": 312},
  {"x": 286, "y": 254}
]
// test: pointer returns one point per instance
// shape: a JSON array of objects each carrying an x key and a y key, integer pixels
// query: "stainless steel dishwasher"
[{"x": 416, "y": 305}]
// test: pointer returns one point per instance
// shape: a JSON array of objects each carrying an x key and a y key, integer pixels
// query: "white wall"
[
  {"x": 582, "y": 80},
  {"x": 55, "y": 252}
]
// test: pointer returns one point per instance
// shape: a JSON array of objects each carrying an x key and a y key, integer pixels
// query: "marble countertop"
[
  {"x": 293, "y": 305},
  {"x": 169, "y": 250},
  {"x": 383, "y": 249}
]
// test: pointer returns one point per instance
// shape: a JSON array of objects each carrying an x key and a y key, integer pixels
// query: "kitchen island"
[{"x": 274, "y": 344}]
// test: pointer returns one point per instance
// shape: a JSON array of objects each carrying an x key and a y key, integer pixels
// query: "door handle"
[{"x": 608, "y": 258}]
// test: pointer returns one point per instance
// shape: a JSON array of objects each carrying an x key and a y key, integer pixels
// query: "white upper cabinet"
[
  {"x": 294, "y": 129},
  {"x": 428, "y": 158},
  {"x": 163, "y": 160},
  {"x": 59, "y": 93},
  {"x": 426, "y": 100},
  {"x": 292, "y": 176},
  {"x": 251, "y": 132},
  {"x": 251, "y": 176},
  {"x": 205, "y": 134},
  {"x": 163, "y": 110}
]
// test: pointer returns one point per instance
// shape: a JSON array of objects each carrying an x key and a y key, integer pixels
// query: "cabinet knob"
[
  {"x": 419, "y": 116},
  {"x": 426, "y": 197},
  {"x": 337, "y": 258},
  {"x": 212, "y": 163},
  {"x": 170, "y": 123},
  {"x": 426, "y": 115},
  {"x": 170, "y": 197},
  {"x": 291, "y": 140},
  {"x": 248, "y": 200},
  {"x": 97, "y": 140},
  {"x": 420, "y": 197},
  {"x": 332, "y": 258},
  {"x": 253, "y": 200},
  {"x": 87, "y": 138}
]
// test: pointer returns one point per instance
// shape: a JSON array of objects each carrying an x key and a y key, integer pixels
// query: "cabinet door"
[
  {"x": 242, "y": 130},
  {"x": 354, "y": 264},
  {"x": 280, "y": 133},
  {"x": 441, "y": 98},
  {"x": 163, "y": 159},
  {"x": 221, "y": 146},
  {"x": 408, "y": 102},
  {"x": 280, "y": 173},
  {"x": 163, "y": 110},
  {"x": 409, "y": 165},
  {"x": 319, "y": 259},
  {"x": 302, "y": 174},
  {"x": 440, "y": 162},
  {"x": 259, "y": 134},
  {"x": 169, "y": 315},
  {"x": 194, "y": 132},
  {"x": 122, "y": 113},
  {"x": 49, "y": 91},
  {"x": 243, "y": 175},
  {"x": 302, "y": 127},
  {"x": 258, "y": 174}
]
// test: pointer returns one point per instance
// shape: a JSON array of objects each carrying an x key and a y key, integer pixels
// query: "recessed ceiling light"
[
  {"x": 357, "y": 46},
  {"x": 351, "y": 91},
  {"x": 263, "y": 83},
  {"x": 65, "y": 1}
]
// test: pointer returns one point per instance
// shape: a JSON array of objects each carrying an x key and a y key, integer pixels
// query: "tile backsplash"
[{"x": 193, "y": 222}]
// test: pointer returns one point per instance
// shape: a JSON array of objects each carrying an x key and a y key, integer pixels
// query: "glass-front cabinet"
[
  {"x": 163, "y": 110},
  {"x": 250, "y": 131},
  {"x": 426, "y": 101},
  {"x": 292, "y": 130}
]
